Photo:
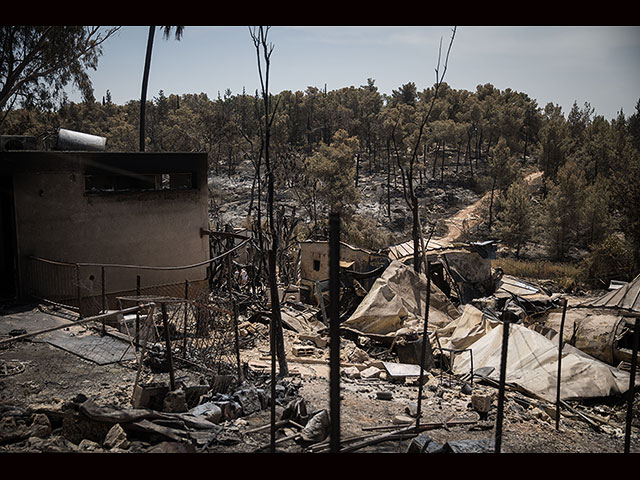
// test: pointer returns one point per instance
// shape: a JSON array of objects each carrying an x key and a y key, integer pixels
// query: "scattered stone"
[
  {"x": 423, "y": 443},
  {"x": 351, "y": 372},
  {"x": 116, "y": 438},
  {"x": 317, "y": 428},
  {"x": 172, "y": 447},
  {"x": 402, "y": 420},
  {"x": 89, "y": 446},
  {"x": 175, "y": 402},
  {"x": 485, "y": 445},
  {"x": 250, "y": 399},
  {"x": 371, "y": 372},
  {"x": 209, "y": 410},
  {"x": 40, "y": 426},
  {"x": 384, "y": 395},
  {"x": 481, "y": 403},
  {"x": 412, "y": 409},
  {"x": 466, "y": 389}
]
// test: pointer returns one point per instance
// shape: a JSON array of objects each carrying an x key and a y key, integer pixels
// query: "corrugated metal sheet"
[
  {"x": 405, "y": 249},
  {"x": 624, "y": 298}
]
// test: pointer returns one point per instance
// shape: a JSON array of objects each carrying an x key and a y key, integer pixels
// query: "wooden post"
[
  {"x": 334, "y": 329},
  {"x": 632, "y": 385},
  {"x": 560, "y": 342}
]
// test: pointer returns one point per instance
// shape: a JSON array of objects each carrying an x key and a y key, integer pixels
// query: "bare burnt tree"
[
  {"x": 408, "y": 176},
  {"x": 263, "y": 53}
]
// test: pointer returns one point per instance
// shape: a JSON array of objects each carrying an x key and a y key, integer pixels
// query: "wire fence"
[{"x": 169, "y": 333}]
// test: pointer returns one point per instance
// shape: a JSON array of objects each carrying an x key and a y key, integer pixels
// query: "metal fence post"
[
  {"x": 503, "y": 375},
  {"x": 423, "y": 353},
  {"x": 78, "y": 291},
  {"x": 632, "y": 385},
  {"x": 235, "y": 315},
  {"x": 167, "y": 340},
  {"x": 560, "y": 342},
  {"x": 138, "y": 314},
  {"x": 334, "y": 329}
]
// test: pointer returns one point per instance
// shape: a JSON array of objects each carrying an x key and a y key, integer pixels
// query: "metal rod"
[
  {"x": 423, "y": 353},
  {"x": 184, "y": 327},
  {"x": 632, "y": 383},
  {"x": 104, "y": 299},
  {"x": 78, "y": 291},
  {"x": 137, "y": 315},
  {"x": 334, "y": 329},
  {"x": 560, "y": 343},
  {"x": 235, "y": 316},
  {"x": 503, "y": 374},
  {"x": 167, "y": 340}
]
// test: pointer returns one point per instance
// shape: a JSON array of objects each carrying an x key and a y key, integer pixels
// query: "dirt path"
[{"x": 469, "y": 216}]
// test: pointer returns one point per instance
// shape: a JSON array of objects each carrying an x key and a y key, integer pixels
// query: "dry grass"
[{"x": 566, "y": 275}]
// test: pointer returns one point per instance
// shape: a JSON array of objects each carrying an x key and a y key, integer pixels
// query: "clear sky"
[{"x": 563, "y": 65}]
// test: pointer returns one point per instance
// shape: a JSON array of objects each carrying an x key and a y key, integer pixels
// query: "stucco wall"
[{"x": 56, "y": 219}]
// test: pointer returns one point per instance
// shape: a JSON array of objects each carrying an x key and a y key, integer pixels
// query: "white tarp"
[
  {"x": 397, "y": 301},
  {"x": 532, "y": 364},
  {"x": 463, "y": 331}
]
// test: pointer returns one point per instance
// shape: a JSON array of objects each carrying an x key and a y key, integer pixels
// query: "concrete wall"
[{"x": 56, "y": 219}]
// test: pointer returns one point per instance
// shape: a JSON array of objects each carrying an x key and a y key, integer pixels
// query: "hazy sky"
[{"x": 598, "y": 65}]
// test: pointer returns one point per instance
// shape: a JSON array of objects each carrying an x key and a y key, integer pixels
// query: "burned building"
[{"x": 77, "y": 223}]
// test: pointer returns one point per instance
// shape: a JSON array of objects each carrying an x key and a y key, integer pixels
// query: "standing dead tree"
[
  {"x": 407, "y": 176},
  {"x": 259, "y": 37}
]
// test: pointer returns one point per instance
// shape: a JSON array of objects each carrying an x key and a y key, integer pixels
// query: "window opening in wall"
[
  {"x": 107, "y": 182},
  {"x": 316, "y": 265}
]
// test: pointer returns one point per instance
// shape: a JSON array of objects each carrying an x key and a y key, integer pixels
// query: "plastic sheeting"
[
  {"x": 397, "y": 301},
  {"x": 532, "y": 365}
]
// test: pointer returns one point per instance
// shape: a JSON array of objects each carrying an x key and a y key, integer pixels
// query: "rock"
[
  {"x": 172, "y": 447},
  {"x": 116, "y": 438},
  {"x": 175, "y": 402},
  {"x": 351, "y": 372},
  {"x": 412, "y": 409},
  {"x": 371, "y": 372},
  {"x": 540, "y": 414},
  {"x": 208, "y": 410},
  {"x": 384, "y": 395},
  {"x": 89, "y": 446},
  {"x": 402, "y": 420},
  {"x": 481, "y": 402},
  {"x": 317, "y": 428},
  {"x": 52, "y": 444},
  {"x": 249, "y": 400},
  {"x": 423, "y": 443},
  {"x": 40, "y": 426},
  {"x": 466, "y": 389},
  {"x": 76, "y": 427},
  {"x": 485, "y": 445}
]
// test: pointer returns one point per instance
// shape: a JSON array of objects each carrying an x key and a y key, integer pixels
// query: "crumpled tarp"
[
  {"x": 397, "y": 301},
  {"x": 463, "y": 331},
  {"x": 532, "y": 365}
]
